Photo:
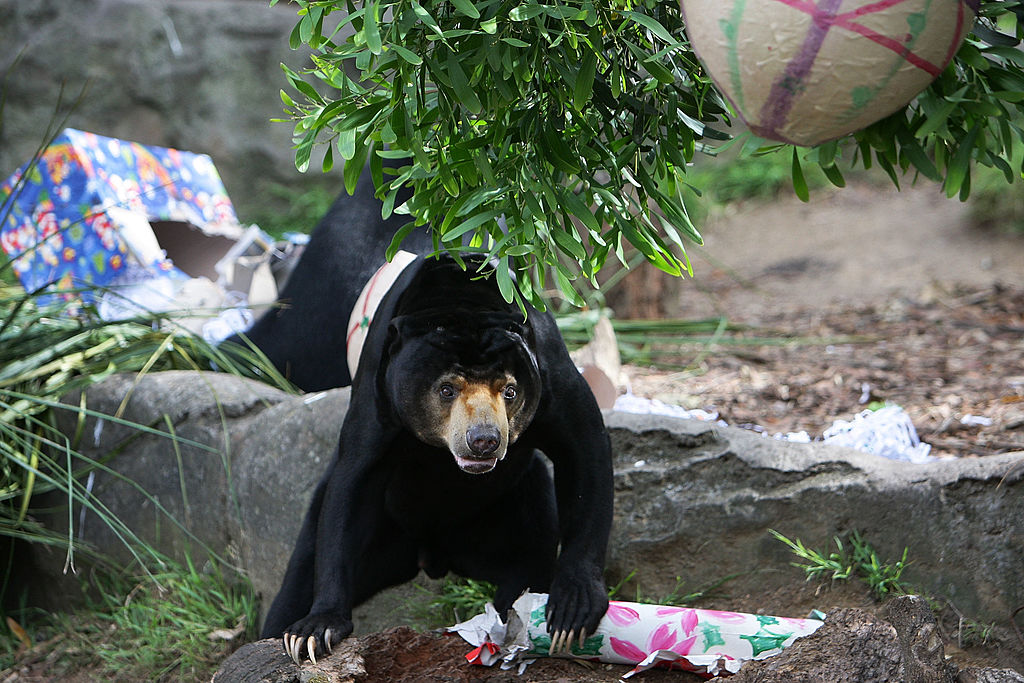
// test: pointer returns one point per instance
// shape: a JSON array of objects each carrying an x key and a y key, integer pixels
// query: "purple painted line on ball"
[{"x": 787, "y": 86}]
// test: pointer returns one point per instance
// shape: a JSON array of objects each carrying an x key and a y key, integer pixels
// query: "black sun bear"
[{"x": 439, "y": 468}]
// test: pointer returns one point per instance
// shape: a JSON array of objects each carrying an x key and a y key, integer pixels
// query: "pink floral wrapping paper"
[{"x": 709, "y": 642}]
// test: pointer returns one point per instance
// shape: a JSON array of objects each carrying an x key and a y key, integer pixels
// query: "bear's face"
[{"x": 472, "y": 394}]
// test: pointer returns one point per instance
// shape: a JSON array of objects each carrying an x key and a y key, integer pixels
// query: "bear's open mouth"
[{"x": 476, "y": 465}]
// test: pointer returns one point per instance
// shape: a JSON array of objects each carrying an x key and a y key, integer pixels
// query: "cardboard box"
[{"x": 98, "y": 212}]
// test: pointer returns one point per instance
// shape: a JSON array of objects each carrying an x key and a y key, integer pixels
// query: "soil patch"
[{"x": 954, "y": 361}]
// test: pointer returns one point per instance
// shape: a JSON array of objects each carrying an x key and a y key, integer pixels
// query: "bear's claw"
[
  {"x": 311, "y": 638},
  {"x": 562, "y": 642}
]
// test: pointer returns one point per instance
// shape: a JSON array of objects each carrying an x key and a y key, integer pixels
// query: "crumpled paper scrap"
[
  {"x": 888, "y": 432},
  {"x": 707, "y": 642}
]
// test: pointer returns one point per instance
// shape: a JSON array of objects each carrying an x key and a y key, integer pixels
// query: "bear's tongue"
[{"x": 476, "y": 465}]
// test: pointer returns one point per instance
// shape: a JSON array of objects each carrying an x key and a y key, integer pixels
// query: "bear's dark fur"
[
  {"x": 303, "y": 333},
  {"x": 438, "y": 466}
]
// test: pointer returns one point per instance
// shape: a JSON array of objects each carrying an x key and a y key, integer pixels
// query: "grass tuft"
[
  {"x": 175, "y": 623},
  {"x": 859, "y": 560}
]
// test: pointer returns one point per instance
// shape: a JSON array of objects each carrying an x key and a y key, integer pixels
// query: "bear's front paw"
[
  {"x": 316, "y": 634},
  {"x": 576, "y": 604}
]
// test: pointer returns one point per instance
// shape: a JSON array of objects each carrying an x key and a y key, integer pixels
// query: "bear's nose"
[{"x": 483, "y": 439}]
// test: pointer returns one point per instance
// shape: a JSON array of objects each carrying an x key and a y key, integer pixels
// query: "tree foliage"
[{"x": 552, "y": 133}]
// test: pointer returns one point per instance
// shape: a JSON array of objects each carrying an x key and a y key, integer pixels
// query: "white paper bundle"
[{"x": 705, "y": 641}]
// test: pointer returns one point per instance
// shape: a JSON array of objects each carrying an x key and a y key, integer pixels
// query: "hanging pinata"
[{"x": 809, "y": 71}]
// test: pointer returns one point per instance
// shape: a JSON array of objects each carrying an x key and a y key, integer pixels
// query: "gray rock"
[
  {"x": 198, "y": 75},
  {"x": 692, "y": 500},
  {"x": 696, "y": 501}
]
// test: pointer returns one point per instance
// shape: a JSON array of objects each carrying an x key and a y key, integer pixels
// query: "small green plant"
[
  {"x": 882, "y": 578},
  {"x": 175, "y": 623},
  {"x": 970, "y": 632},
  {"x": 817, "y": 564},
  {"x": 676, "y": 597},
  {"x": 859, "y": 560},
  {"x": 459, "y": 600}
]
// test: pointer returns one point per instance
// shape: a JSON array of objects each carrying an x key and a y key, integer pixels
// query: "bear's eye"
[
  {"x": 446, "y": 391},
  {"x": 509, "y": 393}
]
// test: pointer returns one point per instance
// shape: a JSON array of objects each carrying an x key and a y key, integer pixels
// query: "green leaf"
[
  {"x": 303, "y": 151},
  {"x": 566, "y": 288},
  {"x": 935, "y": 120},
  {"x": 354, "y": 167},
  {"x": 371, "y": 31},
  {"x": 577, "y": 208},
  {"x": 525, "y": 13},
  {"x": 505, "y": 284},
  {"x": 799, "y": 183},
  {"x": 834, "y": 175},
  {"x": 652, "y": 25},
  {"x": 460, "y": 84},
  {"x": 328, "y": 162},
  {"x": 306, "y": 29},
  {"x": 347, "y": 143},
  {"x": 658, "y": 70},
  {"x": 406, "y": 54},
  {"x": 915, "y": 154},
  {"x": 559, "y": 153},
  {"x": 467, "y": 7},
  {"x": 520, "y": 250},
  {"x": 469, "y": 224},
  {"x": 396, "y": 241},
  {"x": 584, "y": 80},
  {"x": 427, "y": 19},
  {"x": 959, "y": 164},
  {"x": 295, "y": 37},
  {"x": 568, "y": 242},
  {"x": 303, "y": 87}
]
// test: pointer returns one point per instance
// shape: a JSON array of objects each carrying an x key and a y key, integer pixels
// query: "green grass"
[
  {"x": 677, "y": 597},
  {"x": 155, "y": 626},
  {"x": 859, "y": 560},
  {"x": 682, "y": 344},
  {"x": 46, "y": 353},
  {"x": 459, "y": 599},
  {"x": 291, "y": 210},
  {"x": 174, "y": 623}
]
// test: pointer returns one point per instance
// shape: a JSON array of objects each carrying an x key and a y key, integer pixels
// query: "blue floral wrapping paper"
[{"x": 56, "y": 218}]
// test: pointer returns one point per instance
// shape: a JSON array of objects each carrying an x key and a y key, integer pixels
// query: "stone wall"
[
  {"x": 199, "y": 75},
  {"x": 692, "y": 500}
]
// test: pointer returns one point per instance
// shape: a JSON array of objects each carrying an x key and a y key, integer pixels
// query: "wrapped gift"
[
  {"x": 708, "y": 642},
  {"x": 807, "y": 72},
  {"x": 91, "y": 208}
]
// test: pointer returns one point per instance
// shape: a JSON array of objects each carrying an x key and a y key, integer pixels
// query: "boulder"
[
  {"x": 696, "y": 501},
  {"x": 693, "y": 500}
]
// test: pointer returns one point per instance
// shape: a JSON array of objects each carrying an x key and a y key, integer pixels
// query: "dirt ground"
[{"x": 888, "y": 297}]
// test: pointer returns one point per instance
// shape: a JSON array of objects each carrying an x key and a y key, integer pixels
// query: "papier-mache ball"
[{"x": 809, "y": 71}]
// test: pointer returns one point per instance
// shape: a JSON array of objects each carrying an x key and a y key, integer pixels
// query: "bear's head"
[{"x": 469, "y": 384}]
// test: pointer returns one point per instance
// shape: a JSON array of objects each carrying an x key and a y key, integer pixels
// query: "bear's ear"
[
  {"x": 393, "y": 340},
  {"x": 521, "y": 330}
]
